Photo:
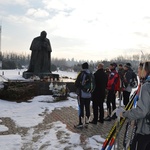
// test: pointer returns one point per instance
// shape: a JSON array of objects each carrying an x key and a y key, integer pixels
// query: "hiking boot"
[
  {"x": 86, "y": 125},
  {"x": 93, "y": 122},
  {"x": 108, "y": 118},
  {"x": 80, "y": 125},
  {"x": 101, "y": 121},
  {"x": 114, "y": 116}
]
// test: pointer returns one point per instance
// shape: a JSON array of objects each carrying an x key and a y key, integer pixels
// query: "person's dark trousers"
[
  {"x": 98, "y": 109},
  {"x": 101, "y": 110},
  {"x": 141, "y": 142},
  {"x": 126, "y": 96},
  {"x": 84, "y": 103},
  {"x": 111, "y": 99}
]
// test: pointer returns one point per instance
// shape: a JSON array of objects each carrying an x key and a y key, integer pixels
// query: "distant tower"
[
  {"x": 0, "y": 48},
  {"x": 0, "y": 37}
]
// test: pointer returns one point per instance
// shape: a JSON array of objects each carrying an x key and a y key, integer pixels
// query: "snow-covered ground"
[
  {"x": 17, "y": 74},
  {"x": 24, "y": 116}
]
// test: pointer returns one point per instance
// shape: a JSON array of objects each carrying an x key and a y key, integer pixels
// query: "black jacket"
[
  {"x": 101, "y": 80},
  {"x": 127, "y": 77}
]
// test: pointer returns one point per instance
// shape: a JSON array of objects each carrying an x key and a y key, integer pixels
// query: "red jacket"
[{"x": 113, "y": 81}]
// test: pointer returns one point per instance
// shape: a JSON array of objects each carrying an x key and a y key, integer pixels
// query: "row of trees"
[{"x": 19, "y": 61}]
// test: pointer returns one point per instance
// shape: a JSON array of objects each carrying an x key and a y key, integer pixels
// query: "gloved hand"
[{"x": 119, "y": 111}]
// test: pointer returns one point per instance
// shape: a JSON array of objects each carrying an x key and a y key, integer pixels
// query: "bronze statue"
[{"x": 41, "y": 55}]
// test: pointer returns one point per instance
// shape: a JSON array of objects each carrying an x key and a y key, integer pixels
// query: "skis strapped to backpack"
[{"x": 112, "y": 133}]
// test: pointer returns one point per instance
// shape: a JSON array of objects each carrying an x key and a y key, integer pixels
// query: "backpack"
[
  {"x": 87, "y": 82},
  {"x": 134, "y": 80}
]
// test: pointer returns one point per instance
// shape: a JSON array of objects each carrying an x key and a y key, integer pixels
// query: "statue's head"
[{"x": 43, "y": 34}]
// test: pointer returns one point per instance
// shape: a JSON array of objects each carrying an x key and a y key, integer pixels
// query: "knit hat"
[
  {"x": 113, "y": 64},
  {"x": 127, "y": 65},
  {"x": 85, "y": 65}
]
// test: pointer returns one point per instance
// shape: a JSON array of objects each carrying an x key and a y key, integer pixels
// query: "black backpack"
[
  {"x": 134, "y": 80},
  {"x": 87, "y": 82}
]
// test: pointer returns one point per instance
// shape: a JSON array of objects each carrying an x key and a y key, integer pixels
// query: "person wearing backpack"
[
  {"x": 127, "y": 79},
  {"x": 141, "y": 113},
  {"x": 113, "y": 86},
  {"x": 83, "y": 95},
  {"x": 98, "y": 94}
]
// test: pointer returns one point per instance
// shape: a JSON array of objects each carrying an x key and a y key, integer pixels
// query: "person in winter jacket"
[
  {"x": 142, "y": 113},
  {"x": 98, "y": 94},
  {"x": 121, "y": 73},
  {"x": 113, "y": 86},
  {"x": 83, "y": 97},
  {"x": 126, "y": 82}
]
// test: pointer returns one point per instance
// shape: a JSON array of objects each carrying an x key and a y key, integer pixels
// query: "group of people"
[
  {"x": 107, "y": 84},
  {"x": 106, "y": 81}
]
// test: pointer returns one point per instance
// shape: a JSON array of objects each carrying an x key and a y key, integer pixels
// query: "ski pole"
[
  {"x": 118, "y": 118},
  {"x": 127, "y": 147},
  {"x": 117, "y": 131},
  {"x": 127, "y": 141},
  {"x": 126, "y": 133},
  {"x": 113, "y": 129}
]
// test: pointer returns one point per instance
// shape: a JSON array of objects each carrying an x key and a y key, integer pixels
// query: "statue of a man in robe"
[{"x": 41, "y": 54}]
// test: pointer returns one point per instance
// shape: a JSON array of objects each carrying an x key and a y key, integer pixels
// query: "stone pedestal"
[
  {"x": 28, "y": 75},
  {"x": 25, "y": 90}
]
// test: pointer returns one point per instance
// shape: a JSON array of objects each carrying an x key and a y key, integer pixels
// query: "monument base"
[{"x": 28, "y": 75}]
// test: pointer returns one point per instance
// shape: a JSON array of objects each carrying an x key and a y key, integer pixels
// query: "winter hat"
[
  {"x": 113, "y": 64},
  {"x": 127, "y": 65},
  {"x": 85, "y": 65},
  {"x": 120, "y": 65}
]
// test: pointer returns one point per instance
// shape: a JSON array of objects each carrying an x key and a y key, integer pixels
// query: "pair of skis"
[
  {"x": 130, "y": 131},
  {"x": 111, "y": 138},
  {"x": 129, "y": 134},
  {"x": 131, "y": 127}
]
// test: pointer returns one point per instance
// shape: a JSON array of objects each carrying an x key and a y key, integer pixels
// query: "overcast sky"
[{"x": 79, "y": 29}]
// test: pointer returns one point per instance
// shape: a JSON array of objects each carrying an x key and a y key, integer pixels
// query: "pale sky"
[{"x": 79, "y": 29}]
